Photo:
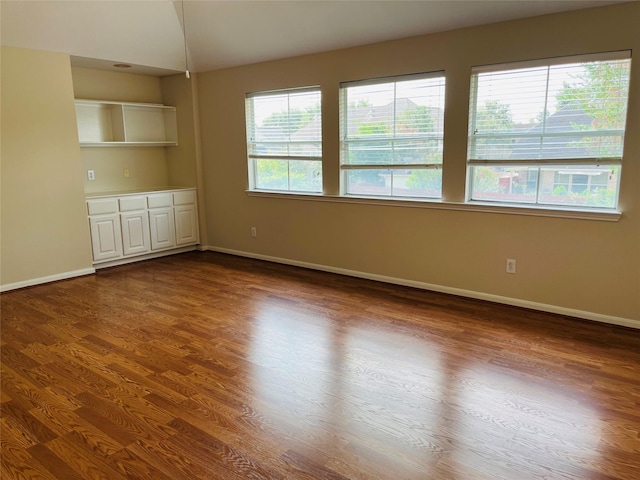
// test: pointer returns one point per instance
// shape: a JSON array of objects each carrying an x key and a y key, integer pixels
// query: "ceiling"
[{"x": 148, "y": 34}]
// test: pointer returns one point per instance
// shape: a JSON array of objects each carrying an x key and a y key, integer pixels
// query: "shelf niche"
[{"x": 110, "y": 124}]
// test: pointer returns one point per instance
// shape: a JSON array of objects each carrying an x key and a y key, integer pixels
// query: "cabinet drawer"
[
  {"x": 159, "y": 200},
  {"x": 184, "y": 198},
  {"x": 102, "y": 206},
  {"x": 128, "y": 204}
]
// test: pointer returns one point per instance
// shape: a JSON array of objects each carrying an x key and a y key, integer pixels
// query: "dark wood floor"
[{"x": 207, "y": 366}]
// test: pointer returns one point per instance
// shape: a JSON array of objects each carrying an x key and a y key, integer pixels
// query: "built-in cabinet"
[
  {"x": 163, "y": 229},
  {"x": 185, "y": 217},
  {"x": 142, "y": 224},
  {"x": 105, "y": 237},
  {"x": 134, "y": 224},
  {"x": 113, "y": 124}
]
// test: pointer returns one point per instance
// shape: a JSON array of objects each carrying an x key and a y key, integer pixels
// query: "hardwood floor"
[{"x": 207, "y": 366}]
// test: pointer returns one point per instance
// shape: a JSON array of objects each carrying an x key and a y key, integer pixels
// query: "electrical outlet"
[
  {"x": 91, "y": 175},
  {"x": 125, "y": 173},
  {"x": 254, "y": 232},
  {"x": 511, "y": 265}
]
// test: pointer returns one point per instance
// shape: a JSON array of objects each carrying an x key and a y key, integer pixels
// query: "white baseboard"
[
  {"x": 50, "y": 278},
  {"x": 543, "y": 307}
]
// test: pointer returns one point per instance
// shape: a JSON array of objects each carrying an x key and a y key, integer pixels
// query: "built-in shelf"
[{"x": 113, "y": 124}]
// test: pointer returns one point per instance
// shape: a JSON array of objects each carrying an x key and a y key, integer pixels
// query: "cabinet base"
[{"x": 139, "y": 258}]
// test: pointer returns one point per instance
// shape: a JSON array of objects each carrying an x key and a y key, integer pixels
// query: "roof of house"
[{"x": 561, "y": 121}]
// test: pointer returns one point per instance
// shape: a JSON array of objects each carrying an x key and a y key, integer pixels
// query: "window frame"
[
  {"x": 251, "y": 143},
  {"x": 540, "y": 164},
  {"x": 346, "y": 167}
]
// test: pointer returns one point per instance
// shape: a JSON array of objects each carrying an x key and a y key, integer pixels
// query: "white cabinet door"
[
  {"x": 163, "y": 230},
  {"x": 135, "y": 232},
  {"x": 106, "y": 238},
  {"x": 186, "y": 225}
]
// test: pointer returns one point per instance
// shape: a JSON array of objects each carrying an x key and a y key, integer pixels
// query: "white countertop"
[{"x": 136, "y": 191}]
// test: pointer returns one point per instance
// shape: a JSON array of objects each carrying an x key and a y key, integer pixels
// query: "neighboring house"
[
  {"x": 564, "y": 120},
  {"x": 385, "y": 113},
  {"x": 566, "y": 184}
]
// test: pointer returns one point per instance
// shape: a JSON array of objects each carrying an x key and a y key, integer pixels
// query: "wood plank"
[
  {"x": 18, "y": 464},
  {"x": 82, "y": 460}
]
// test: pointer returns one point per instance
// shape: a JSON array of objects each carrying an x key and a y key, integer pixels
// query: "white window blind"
[
  {"x": 532, "y": 124},
  {"x": 284, "y": 140},
  {"x": 391, "y": 136}
]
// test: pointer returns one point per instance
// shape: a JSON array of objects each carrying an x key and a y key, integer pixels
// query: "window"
[
  {"x": 284, "y": 140},
  {"x": 549, "y": 132},
  {"x": 392, "y": 132}
]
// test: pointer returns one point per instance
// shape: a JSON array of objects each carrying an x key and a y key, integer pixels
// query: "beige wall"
[
  {"x": 184, "y": 162},
  {"x": 177, "y": 91},
  {"x": 93, "y": 84},
  {"x": 577, "y": 265},
  {"x": 147, "y": 166},
  {"x": 44, "y": 224}
]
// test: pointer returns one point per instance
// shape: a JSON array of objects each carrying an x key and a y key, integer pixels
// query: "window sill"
[{"x": 482, "y": 207}]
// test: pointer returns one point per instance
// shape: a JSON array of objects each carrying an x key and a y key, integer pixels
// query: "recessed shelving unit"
[{"x": 112, "y": 124}]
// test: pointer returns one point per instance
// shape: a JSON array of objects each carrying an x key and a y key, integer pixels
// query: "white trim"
[
  {"x": 516, "y": 302},
  {"x": 553, "y": 61},
  {"x": 284, "y": 91},
  {"x": 50, "y": 278},
  {"x": 394, "y": 78},
  {"x": 473, "y": 206},
  {"x": 96, "y": 266},
  {"x": 389, "y": 166},
  {"x": 548, "y": 162},
  {"x": 286, "y": 157},
  {"x": 88, "y": 101}
]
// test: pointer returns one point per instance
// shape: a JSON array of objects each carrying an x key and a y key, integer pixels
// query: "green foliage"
[
  {"x": 493, "y": 117},
  {"x": 486, "y": 179},
  {"x": 560, "y": 191},
  {"x": 601, "y": 197},
  {"x": 598, "y": 197},
  {"x": 293, "y": 120},
  {"x": 305, "y": 175},
  {"x": 542, "y": 115},
  {"x": 374, "y": 153},
  {"x": 373, "y": 128},
  {"x": 272, "y": 174},
  {"x": 425, "y": 179},
  {"x": 289, "y": 175},
  {"x": 415, "y": 120},
  {"x": 601, "y": 92}
]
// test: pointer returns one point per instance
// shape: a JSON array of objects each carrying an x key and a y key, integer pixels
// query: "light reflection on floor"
[{"x": 448, "y": 415}]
